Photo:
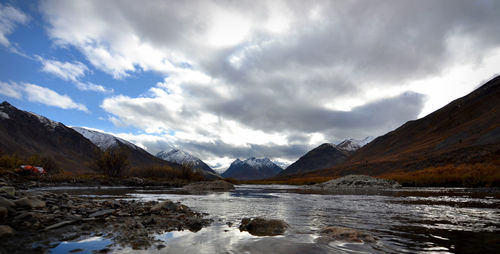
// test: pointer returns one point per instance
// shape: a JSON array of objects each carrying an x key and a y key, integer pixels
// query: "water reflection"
[{"x": 86, "y": 246}]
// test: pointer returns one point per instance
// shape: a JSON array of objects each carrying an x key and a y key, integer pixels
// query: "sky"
[{"x": 236, "y": 79}]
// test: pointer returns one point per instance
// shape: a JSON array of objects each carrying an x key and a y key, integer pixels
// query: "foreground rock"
[
  {"x": 209, "y": 186},
  {"x": 356, "y": 182},
  {"x": 34, "y": 221},
  {"x": 263, "y": 227},
  {"x": 329, "y": 234}
]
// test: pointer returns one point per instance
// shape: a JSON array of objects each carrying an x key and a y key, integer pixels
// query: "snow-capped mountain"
[
  {"x": 102, "y": 140},
  {"x": 354, "y": 144},
  {"x": 181, "y": 157},
  {"x": 252, "y": 168}
]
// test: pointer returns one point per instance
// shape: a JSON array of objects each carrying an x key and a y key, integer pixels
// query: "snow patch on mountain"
[
  {"x": 102, "y": 140},
  {"x": 4, "y": 115},
  {"x": 354, "y": 144},
  {"x": 179, "y": 156},
  {"x": 45, "y": 121}
]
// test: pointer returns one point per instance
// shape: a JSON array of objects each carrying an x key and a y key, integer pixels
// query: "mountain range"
[
  {"x": 325, "y": 156},
  {"x": 252, "y": 169}
]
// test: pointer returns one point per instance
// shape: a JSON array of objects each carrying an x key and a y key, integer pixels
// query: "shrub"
[
  {"x": 111, "y": 162},
  {"x": 166, "y": 173}
]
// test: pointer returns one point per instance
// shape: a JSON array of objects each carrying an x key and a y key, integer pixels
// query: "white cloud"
[
  {"x": 87, "y": 86},
  {"x": 64, "y": 70},
  {"x": 35, "y": 93},
  {"x": 9, "y": 18},
  {"x": 73, "y": 72},
  {"x": 10, "y": 89}
]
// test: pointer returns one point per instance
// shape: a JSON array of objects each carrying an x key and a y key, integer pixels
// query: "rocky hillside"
[{"x": 252, "y": 169}]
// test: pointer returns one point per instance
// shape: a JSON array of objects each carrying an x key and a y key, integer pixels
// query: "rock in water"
[
  {"x": 30, "y": 202},
  {"x": 357, "y": 182},
  {"x": 329, "y": 234},
  {"x": 263, "y": 227},
  {"x": 218, "y": 185}
]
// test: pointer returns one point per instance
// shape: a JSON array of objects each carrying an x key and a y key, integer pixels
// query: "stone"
[
  {"x": 334, "y": 233},
  {"x": 30, "y": 202},
  {"x": 8, "y": 189},
  {"x": 102, "y": 213},
  {"x": 6, "y": 231},
  {"x": 263, "y": 227},
  {"x": 6, "y": 203},
  {"x": 164, "y": 205},
  {"x": 357, "y": 182},
  {"x": 60, "y": 224}
]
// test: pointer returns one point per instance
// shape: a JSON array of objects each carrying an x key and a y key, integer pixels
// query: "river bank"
[{"x": 37, "y": 221}]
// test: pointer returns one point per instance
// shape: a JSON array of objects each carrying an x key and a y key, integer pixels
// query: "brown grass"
[
  {"x": 463, "y": 175},
  {"x": 166, "y": 173}
]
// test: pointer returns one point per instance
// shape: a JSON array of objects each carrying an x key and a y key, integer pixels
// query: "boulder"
[
  {"x": 30, "y": 202},
  {"x": 357, "y": 182},
  {"x": 164, "y": 205},
  {"x": 102, "y": 213},
  {"x": 8, "y": 189},
  {"x": 6, "y": 203},
  {"x": 207, "y": 186},
  {"x": 6, "y": 231},
  {"x": 263, "y": 227},
  {"x": 334, "y": 233}
]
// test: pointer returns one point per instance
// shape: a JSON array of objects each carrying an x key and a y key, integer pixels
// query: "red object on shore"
[{"x": 31, "y": 169}]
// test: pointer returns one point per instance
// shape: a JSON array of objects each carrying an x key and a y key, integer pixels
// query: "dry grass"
[
  {"x": 166, "y": 173},
  {"x": 463, "y": 175}
]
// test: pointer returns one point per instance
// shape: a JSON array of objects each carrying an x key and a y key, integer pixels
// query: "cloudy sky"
[{"x": 228, "y": 79}]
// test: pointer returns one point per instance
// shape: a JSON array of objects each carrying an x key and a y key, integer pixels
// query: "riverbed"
[{"x": 407, "y": 220}]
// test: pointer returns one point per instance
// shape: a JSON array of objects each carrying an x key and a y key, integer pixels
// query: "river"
[{"x": 408, "y": 220}]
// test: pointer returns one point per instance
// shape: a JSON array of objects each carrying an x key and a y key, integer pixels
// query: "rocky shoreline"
[{"x": 35, "y": 222}]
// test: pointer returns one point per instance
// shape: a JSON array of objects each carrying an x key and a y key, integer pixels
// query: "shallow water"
[{"x": 410, "y": 220}]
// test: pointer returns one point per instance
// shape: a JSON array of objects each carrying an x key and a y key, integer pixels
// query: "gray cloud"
[{"x": 280, "y": 83}]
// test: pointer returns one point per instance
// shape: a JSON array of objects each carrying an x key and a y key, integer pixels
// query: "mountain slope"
[
  {"x": 466, "y": 131},
  {"x": 183, "y": 158},
  {"x": 137, "y": 157},
  {"x": 325, "y": 156},
  {"x": 252, "y": 169},
  {"x": 26, "y": 134}
]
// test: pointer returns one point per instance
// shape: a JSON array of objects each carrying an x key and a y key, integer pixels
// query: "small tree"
[{"x": 111, "y": 162}]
